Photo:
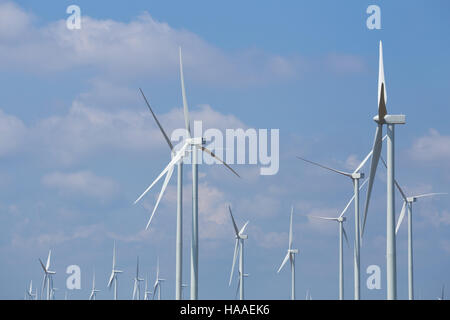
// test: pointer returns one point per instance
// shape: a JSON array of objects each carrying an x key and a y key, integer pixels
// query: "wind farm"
[{"x": 261, "y": 131}]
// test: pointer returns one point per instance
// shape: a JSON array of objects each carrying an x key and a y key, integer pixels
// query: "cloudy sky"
[{"x": 78, "y": 145}]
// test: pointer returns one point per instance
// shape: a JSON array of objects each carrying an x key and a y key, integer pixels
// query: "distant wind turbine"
[
  {"x": 114, "y": 273},
  {"x": 147, "y": 293},
  {"x": 29, "y": 294},
  {"x": 290, "y": 255},
  {"x": 137, "y": 281},
  {"x": 158, "y": 282},
  {"x": 48, "y": 276},
  {"x": 238, "y": 248},
  {"x": 93, "y": 295}
]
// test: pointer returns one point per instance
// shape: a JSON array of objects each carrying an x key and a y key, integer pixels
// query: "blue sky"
[{"x": 77, "y": 144}]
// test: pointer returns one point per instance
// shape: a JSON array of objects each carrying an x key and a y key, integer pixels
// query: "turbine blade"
[
  {"x": 42, "y": 265},
  {"x": 382, "y": 97},
  {"x": 243, "y": 228},
  {"x": 114, "y": 256},
  {"x": 137, "y": 268},
  {"x": 163, "y": 188},
  {"x": 134, "y": 290},
  {"x": 111, "y": 279},
  {"x": 174, "y": 160},
  {"x": 324, "y": 218},
  {"x": 290, "y": 229},
  {"x": 236, "y": 249},
  {"x": 236, "y": 230},
  {"x": 183, "y": 92},
  {"x": 212, "y": 154},
  {"x": 345, "y": 237},
  {"x": 157, "y": 122},
  {"x": 377, "y": 145},
  {"x": 286, "y": 258},
  {"x": 325, "y": 167},
  {"x": 352, "y": 198},
  {"x": 47, "y": 266},
  {"x": 402, "y": 215},
  {"x": 366, "y": 158},
  {"x": 430, "y": 195}
]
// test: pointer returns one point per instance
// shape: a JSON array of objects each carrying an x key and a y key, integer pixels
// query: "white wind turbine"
[
  {"x": 342, "y": 234},
  {"x": 137, "y": 281},
  {"x": 190, "y": 145},
  {"x": 114, "y": 273},
  {"x": 147, "y": 293},
  {"x": 238, "y": 248},
  {"x": 158, "y": 282},
  {"x": 355, "y": 176},
  {"x": 93, "y": 295},
  {"x": 48, "y": 277},
  {"x": 390, "y": 120},
  {"x": 407, "y": 205},
  {"x": 290, "y": 255},
  {"x": 29, "y": 294}
]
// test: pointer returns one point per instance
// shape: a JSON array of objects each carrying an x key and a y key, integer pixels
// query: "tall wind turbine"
[
  {"x": 190, "y": 145},
  {"x": 407, "y": 204},
  {"x": 238, "y": 249},
  {"x": 114, "y": 273},
  {"x": 48, "y": 276},
  {"x": 29, "y": 294},
  {"x": 158, "y": 282},
  {"x": 137, "y": 281},
  {"x": 94, "y": 291},
  {"x": 179, "y": 228},
  {"x": 355, "y": 176},
  {"x": 290, "y": 255},
  {"x": 390, "y": 120},
  {"x": 342, "y": 234}
]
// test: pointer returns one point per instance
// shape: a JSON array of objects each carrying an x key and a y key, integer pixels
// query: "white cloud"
[
  {"x": 12, "y": 132},
  {"x": 81, "y": 183},
  {"x": 13, "y": 21},
  {"x": 432, "y": 147}
]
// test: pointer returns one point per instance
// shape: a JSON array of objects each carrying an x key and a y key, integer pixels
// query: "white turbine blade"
[
  {"x": 134, "y": 289},
  {"x": 290, "y": 229},
  {"x": 161, "y": 193},
  {"x": 42, "y": 265},
  {"x": 324, "y": 218},
  {"x": 345, "y": 236},
  {"x": 236, "y": 230},
  {"x": 243, "y": 228},
  {"x": 395, "y": 182},
  {"x": 377, "y": 145},
  {"x": 382, "y": 97},
  {"x": 430, "y": 195},
  {"x": 325, "y": 167},
  {"x": 157, "y": 122},
  {"x": 174, "y": 160},
  {"x": 183, "y": 92},
  {"x": 47, "y": 266},
  {"x": 111, "y": 279},
  {"x": 212, "y": 154},
  {"x": 286, "y": 258},
  {"x": 366, "y": 158},
  {"x": 353, "y": 198},
  {"x": 402, "y": 215},
  {"x": 137, "y": 268},
  {"x": 236, "y": 250}
]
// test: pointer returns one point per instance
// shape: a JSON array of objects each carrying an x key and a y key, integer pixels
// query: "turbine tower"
[
  {"x": 29, "y": 294},
  {"x": 137, "y": 281},
  {"x": 114, "y": 273},
  {"x": 355, "y": 176},
  {"x": 94, "y": 291},
  {"x": 147, "y": 293},
  {"x": 390, "y": 120},
  {"x": 342, "y": 234},
  {"x": 48, "y": 277},
  {"x": 290, "y": 255},
  {"x": 238, "y": 249}
]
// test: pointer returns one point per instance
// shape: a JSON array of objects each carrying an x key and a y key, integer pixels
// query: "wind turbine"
[
  {"x": 158, "y": 282},
  {"x": 147, "y": 293},
  {"x": 390, "y": 120},
  {"x": 190, "y": 145},
  {"x": 442, "y": 293},
  {"x": 29, "y": 294},
  {"x": 94, "y": 291},
  {"x": 342, "y": 234},
  {"x": 238, "y": 248},
  {"x": 48, "y": 276},
  {"x": 182, "y": 287},
  {"x": 290, "y": 255},
  {"x": 179, "y": 228},
  {"x": 355, "y": 176},
  {"x": 114, "y": 272},
  {"x": 137, "y": 286},
  {"x": 407, "y": 204}
]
